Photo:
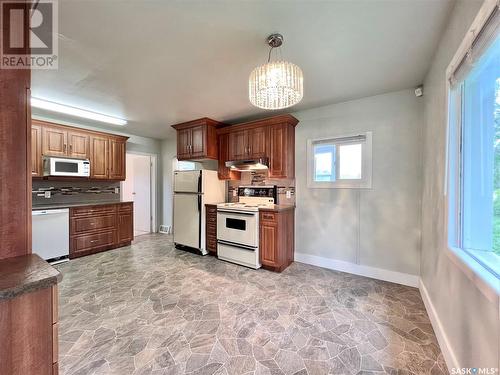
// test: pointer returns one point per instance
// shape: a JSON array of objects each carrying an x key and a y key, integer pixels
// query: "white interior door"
[
  {"x": 137, "y": 188},
  {"x": 142, "y": 194}
]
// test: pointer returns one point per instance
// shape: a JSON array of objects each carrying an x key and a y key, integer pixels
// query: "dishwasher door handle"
[{"x": 49, "y": 212}]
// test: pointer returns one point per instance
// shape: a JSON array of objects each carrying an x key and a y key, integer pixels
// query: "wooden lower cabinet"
[
  {"x": 211, "y": 229},
  {"x": 276, "y": 239},
  {"x": 98, "y": 228},
  {"x": 29, "y": 333},
  {"x": 125, "y": 224}
]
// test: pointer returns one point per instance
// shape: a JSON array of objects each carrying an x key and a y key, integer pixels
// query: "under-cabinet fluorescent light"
[{"x": 55, "y": 107}]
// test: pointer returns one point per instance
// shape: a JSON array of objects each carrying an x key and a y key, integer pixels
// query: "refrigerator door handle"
[{"x": 199, "y": 182}]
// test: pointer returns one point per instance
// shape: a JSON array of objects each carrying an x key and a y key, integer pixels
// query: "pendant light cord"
[{"x": 269, "y": 56}]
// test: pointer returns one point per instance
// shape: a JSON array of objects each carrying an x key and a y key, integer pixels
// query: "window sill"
[{"x": 486, "y": 281}]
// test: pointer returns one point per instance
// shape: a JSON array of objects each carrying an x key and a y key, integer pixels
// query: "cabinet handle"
[
  {"x": 93, "y": 241},
  {"x": 64, "y": 147},
  {"x": 70, "y": 149}
]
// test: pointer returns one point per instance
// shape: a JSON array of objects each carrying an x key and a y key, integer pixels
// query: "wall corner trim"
[
  {"x": 358, "y": 269},
  {"x": 444, "y": 343}
]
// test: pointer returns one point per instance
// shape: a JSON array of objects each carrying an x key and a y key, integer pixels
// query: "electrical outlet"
[
  {"x": 47, "y": 194},
  {"x": 288, "y": 194},
  {"x": 235, "y": 192}
]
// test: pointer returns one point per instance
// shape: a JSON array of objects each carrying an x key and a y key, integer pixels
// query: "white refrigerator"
[{"x": 192, "y": 190}]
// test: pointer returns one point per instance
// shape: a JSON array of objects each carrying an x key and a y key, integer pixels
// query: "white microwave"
[{"x": 54, "y": 166}]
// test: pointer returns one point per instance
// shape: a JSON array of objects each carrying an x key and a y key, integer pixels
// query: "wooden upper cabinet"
[
  {"x": 282, "y": 151},
  {"x": 106, "y": 152},
  {"x": 225, "y": 173},
  {"x": 197, "y": 140},
  {"x": 78, "y": 144},
  {"x": 198, "y": 143},
  {"x": 248, "y": 144},
  {"x": 183, "y": 143},
  {"x": 116, "y": 159},
  {"x": 238, "y": 145},
  {"x": 54, "y": 141},
  {"x": 257, "y": 142},
  {"x": 36, "y": 151},
  {"x": 99, "y": 157},
  {"x": 272, "y": 138}
]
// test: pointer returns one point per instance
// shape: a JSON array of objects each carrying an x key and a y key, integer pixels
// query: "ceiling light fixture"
[
  {"x": 73, "y": 111},
  {"x": 277, "y": 84}
]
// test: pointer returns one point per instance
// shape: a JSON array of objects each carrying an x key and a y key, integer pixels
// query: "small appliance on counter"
[
  {"x": 192, "y": 190},
  {"x": 50, "y": 234},
  {"x": 66, "y": 167},
  {"x": 238, "y": 225}
]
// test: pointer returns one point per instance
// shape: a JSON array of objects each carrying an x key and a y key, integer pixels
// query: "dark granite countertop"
[
  {"x": 277, "y": 208},
  {"x": 68, "y": 205},
  {"x": 24, "y": 274}
]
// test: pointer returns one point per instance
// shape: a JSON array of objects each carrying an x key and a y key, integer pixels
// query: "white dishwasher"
[{"x": 50, "y": 233}]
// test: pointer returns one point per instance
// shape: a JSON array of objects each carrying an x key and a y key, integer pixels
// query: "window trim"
[
  {"x": 484, "y": 279},
  {"x": 366, "y": 163}
]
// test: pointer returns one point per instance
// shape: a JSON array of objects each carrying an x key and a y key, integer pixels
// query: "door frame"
[{"x": 152, "y": 186}]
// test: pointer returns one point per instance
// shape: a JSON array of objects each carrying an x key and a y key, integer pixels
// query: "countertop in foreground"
[{"x": 25, "y": 274}]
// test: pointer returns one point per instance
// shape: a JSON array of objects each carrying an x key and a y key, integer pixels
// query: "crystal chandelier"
[{"x": 277, "y": 84}]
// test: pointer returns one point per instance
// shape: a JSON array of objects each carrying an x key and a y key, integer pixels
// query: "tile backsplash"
[
  {"x": 257, "y": 178},
  {"x": 74, "y": 192}
]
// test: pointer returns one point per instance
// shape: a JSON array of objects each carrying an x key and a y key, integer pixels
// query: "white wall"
[
  {"x": 378, "y": 227},
  {"x": 168, "y": 153},
  {"x": 469, "y": 322}
]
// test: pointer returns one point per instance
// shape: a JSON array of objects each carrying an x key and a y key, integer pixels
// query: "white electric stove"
[{"x": 238, "y": 225}]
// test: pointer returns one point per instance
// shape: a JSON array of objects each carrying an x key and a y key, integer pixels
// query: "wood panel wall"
[{"x": 15, "y": 157}]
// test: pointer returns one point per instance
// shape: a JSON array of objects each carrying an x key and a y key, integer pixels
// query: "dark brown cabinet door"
[
  {"x": 280, "y": 152},
  {"x": 125, "y": 227},
  {"x": 54, "y": 141},
  {"x": 238, "y": 145},
  {"x": 198, "y": 141},
  {"x": 257, "y": 141},
  {"x": 116, "y": 159},
  {"x": 225, "y": 173},
  {"x": 183, "y": 144},
  {"x": 78, "y": 145},
  {"x": 36, "y": 151},
  {"x": 99, "y": 157},
  {"x": 268, "y": 243}
]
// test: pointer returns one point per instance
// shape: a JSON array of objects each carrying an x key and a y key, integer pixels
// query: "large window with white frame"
[
  {"x": 474, "y": 147},
  {"x": 340, "y": 162}
]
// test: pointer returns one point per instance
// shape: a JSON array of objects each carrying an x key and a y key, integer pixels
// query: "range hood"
[{"x": 248, "y": 164}]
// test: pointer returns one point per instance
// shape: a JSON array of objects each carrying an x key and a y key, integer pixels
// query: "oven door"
[{"x": 238, "y": 227}]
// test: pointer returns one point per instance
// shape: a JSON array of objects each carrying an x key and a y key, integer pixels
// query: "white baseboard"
[
  {"x": 444, "y": 343},
  {"x": 357, "y": 269}
]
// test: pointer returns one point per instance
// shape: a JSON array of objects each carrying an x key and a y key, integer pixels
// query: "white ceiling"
[{"x": 157, "y": 63}]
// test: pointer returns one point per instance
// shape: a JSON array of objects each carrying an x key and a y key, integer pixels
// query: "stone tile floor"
[{"x": 152, "y": 309}]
